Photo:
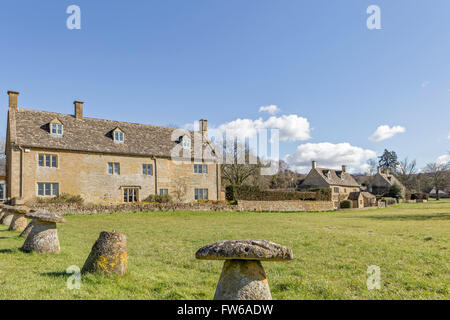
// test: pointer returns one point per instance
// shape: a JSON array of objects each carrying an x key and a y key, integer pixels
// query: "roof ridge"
[{"x": 100, "y": 119}]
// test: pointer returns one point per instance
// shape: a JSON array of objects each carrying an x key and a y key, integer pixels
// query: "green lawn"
[{"x": 409, "y": 242}]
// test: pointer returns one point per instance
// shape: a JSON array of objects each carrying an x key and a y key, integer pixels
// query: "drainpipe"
[{"x": 156, "y": 176}]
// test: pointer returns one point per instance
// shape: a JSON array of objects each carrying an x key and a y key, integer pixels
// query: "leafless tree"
[
  {"x": 439, "y": 174},
  {"x": 406, "y": 173},
  {"x": 373, "y": 165},
  {"x": 2, "y": 148}
]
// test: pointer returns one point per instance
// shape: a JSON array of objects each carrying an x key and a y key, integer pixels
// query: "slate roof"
[
  {"x": 390, "y": 179},
  {"x": 93, "y": 135},
  {"x": 337, "y": 177},
  {"x": 353, "y": 195}
]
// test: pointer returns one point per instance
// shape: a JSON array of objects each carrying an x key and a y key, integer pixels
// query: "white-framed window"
[
  {"x": 113, "y": 168},
  {"x": 186, "y": 142},
  {"x": 118, "y": 136},
  {"x": 48, "y": 160},
  {"x": 47, "y": 189},
  {"x": 200, "y": 168},
  {"x": 163, "y": 192},
  {"x": 201, "y": 194},
  {"x": 336, "y": 189},
  {"x": 147, "y": 169},
  {"x": 56, "y": 129},
  {"x": 329, "y": 175}
]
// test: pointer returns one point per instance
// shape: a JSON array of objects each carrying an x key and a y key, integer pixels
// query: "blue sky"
[{"x": 176, "y": 61}]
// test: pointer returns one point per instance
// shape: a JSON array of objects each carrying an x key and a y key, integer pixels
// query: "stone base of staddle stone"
[
  {"x": 27, "y": 230},
  {"x": 108, "y": 255},
  {"x": 7, "y": 218},
  {"x": 243, "y": 280},
  {"x": 43, "y": 238},
  {"x": 18, "y": 223}
]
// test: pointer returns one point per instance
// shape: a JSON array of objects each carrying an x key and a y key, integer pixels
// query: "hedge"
[{"x": 253, "y": 193}]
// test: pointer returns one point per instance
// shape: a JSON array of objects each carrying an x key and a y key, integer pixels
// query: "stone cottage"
[
  {"x": 382, "y": 181},
  {"x": 340, "y": 182},
  {"x": 105, "y": 161}
]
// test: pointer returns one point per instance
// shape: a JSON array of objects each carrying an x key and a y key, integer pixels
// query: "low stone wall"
[
  {"x": 291, "y": 205},
  {"x": 63, "y": 208}
]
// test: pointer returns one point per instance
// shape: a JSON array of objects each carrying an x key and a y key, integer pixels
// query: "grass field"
[{"x": 409, "y": 242}]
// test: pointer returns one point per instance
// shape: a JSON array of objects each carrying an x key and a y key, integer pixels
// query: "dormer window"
[
  {"x": 118, "y": 135},
  {"x": 329, "y": 175},
  {"x": 56, "y": 128},
  {"x": 342, "y": 175},
  {"x": 186, "y": 142}
]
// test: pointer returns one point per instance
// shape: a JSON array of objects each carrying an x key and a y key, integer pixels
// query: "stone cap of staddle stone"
[
  {"x": 16, "y": 209},
  {"x": 245, "y": 250},
  {"x": 45, "y": 216}
]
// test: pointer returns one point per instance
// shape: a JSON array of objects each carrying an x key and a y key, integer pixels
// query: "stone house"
[
  {"x": 362, "y": 199},
  {"x": 382, "y": 181},
  {"x": 105, "y": 161},
  {"x": 340, "y": 182}
]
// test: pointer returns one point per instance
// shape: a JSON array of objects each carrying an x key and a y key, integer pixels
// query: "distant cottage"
[
  {"x": 341, "y": 183},
  {"x": 382, "y": 181},
  {"x": 103, "y": 161}
]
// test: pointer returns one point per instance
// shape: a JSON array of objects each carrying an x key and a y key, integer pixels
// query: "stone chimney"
[
  {"x": 314, "y": 164},
  {"x": 13, "y": 99},
  {"x": 344, "y": 168},
  {"x": 78, "y": 109},
  {"x": 203, "y": 124}
]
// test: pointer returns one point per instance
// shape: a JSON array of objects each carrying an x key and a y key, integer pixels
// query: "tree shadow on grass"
[
  {"x": 55, "y": 274},
  {"x": 412, "y": 217}
]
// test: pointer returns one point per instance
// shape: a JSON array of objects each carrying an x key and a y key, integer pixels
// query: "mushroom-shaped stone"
[
  {"x": 43, "y": 237},
  {"x": 7, "y": 218},
  {"x": 108, "y": 254},
  {"x": 243, "y": 277},
  {"x": 18, "y": 221}
]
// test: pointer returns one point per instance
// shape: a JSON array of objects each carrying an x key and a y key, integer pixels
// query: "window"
[
  {"x": 2, "y": 191},
  {"x": 329, "y": 175},
  {"x": 118, "y": 136},
  {"x": 186, "y": 142},
  {"x": 113, "y": 168},
  {"x": 163, "y": 192},
  {"x": 345, "y": 190},
  {"x": 48, "y": 189},
  {"x": 200, "y": 168},
  {"x": 48, "y": 160},
  {"x": 56, "y": 129},
  {"x": 130, "y": 194},
  {"x": 147, "y": 169},
  {"x": 336, "y": 189},
  {"x": 201, "y": 194}
]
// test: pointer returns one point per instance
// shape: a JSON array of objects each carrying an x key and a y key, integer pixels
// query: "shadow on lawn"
[
  {"x": 55, "y": 274},
  {"x": 6, "y": 251},
  {"x": 415, "y": 217}
]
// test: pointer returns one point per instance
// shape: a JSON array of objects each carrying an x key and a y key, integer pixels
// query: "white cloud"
[
  {"x": 443, "y": 159},
  {"x": 425, "y": 84},
  {"x": 385, "y": 132},
  {"x": 329, "y": 155},
  {"x": 291, "y": 127},
  {"x": 272, "y": 109}
]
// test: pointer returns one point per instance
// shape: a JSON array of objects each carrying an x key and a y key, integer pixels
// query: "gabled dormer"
[
  {"x": 56, "y": 128},
  {"x": 118, "y": 135},
  {"x": 185, "y": 141}
]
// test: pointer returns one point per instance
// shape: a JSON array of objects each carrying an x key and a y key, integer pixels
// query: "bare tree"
[
  {"x": 2, "y": 149},
  {"x": 180, "y": 189},
  {"x": 439, "y": 175},
  {"x": 406, "y": 173},
  {"x": 237, "y": 168},
  {"x": 372, "y": 169}
]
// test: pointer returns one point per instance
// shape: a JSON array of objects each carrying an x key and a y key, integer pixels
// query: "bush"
[
  {"x": 158, "y": 198},
  {"x": 389, "y": 201},
  {"x": 63, "y": 198},
  {"x": 395, "y": 191},
  {"x": 419, "y": 196},
  {"x": 253, "y": 193},
  {"x": 346, "y": 204}
]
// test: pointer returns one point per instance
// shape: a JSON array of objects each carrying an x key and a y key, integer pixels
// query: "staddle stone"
[
  {"x": 243, "y": 276},
  {"x": 18, "y": 221},
  {"x": 43, "y": 237},
  {"x": 108, "y": 254},
  {"x": 6, "y": 220}
]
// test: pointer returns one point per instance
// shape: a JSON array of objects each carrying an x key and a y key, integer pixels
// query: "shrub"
[
  {"x": 158, "y": 198},
  {"x": 395, "y": 191},
  {"x": 419, "y": 196},
  {"x": 254, "y": 193},
  {"x": 389, "y": 201},
  {"x": 346, "y": 204},
  {"x": 63, "y": 198}
]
